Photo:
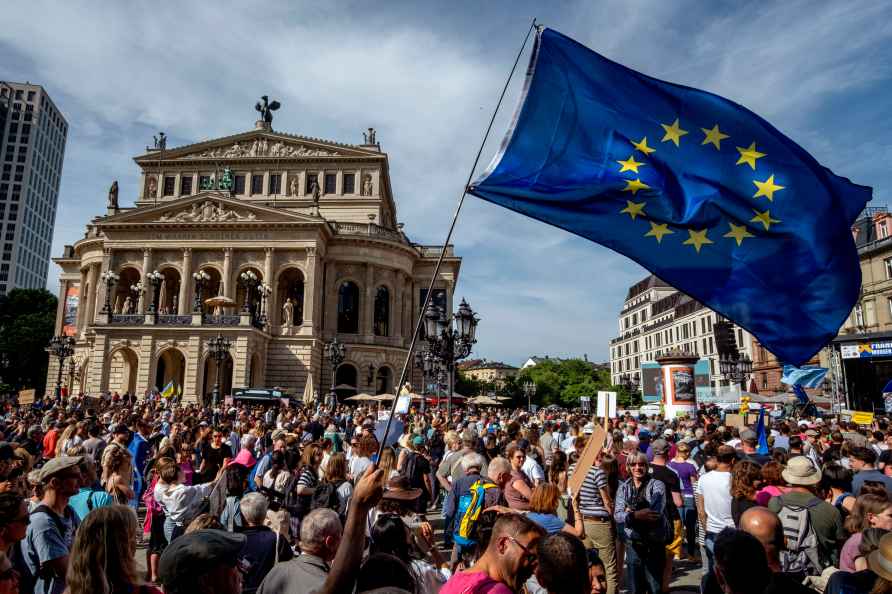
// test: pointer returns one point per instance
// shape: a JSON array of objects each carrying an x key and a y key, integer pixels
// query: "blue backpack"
[{"x": 469, "y": 507}]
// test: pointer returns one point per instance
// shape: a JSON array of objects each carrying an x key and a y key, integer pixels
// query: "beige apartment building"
[
  {"x": 299, "y": 240},
  {"x": 490, "y": 371}
]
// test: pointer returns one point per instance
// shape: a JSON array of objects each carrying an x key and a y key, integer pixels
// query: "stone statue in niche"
[
  {"x": 151, "y": 187},
  {"x": 128, "y": 305},
  {"x": 367, "y": 185},
  {"x": 288, "y": 313},
  {"x": 113, "y": 195},
  {"x": 292, "y": 186}
]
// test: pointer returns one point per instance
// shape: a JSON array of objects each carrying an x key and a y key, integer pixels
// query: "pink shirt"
[
  {"x": 763, "y": 496},
  {"x": 474, "y": 582}
]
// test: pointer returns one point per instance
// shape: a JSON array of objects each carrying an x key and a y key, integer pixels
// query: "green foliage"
[
  {"x": 467, "y": 385},
  {"x": 565, "y": 382},
  {"x": 27, "y": 321}
]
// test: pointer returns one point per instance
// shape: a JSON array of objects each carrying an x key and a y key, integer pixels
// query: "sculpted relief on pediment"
[
  {"x": 262, "y": 147},
  {"x": 206, "y": 212}
]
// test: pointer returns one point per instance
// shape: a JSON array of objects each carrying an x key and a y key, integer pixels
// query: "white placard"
[
  {"x": 402, "y": 405},
  {"x": 606, "y": 404}
]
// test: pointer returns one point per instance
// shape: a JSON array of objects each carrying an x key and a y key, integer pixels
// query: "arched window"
[
  {"x": 346, "y": 378},
  {"x": 348, "y": 308},
  {"x": 382, "y": 312},
  {"x": 382, "y": 386}
]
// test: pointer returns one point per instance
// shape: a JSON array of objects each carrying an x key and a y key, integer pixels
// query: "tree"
[
  {"x": 27, "y": 321},
  {"x": 564, "y": 382},
  {"x": 467, "y": 385}
]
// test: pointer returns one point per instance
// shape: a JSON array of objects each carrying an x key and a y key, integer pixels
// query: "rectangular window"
[
  {"x": 349, "y": 183},
  {"x": 312, "y": 177},
  {"x": 257, "y": 184},
  {"x": 331, "y": 181},
  {"x": 169, "y": 185},
  {"x": 275, "y": 184},
  {"x": 240, "y": 184},
  {"x": 888, "y": 263},
  {"x": 764, "y": 380},
  {"x": 30, "y": 95},
  {"x": 186, "y": 188}
]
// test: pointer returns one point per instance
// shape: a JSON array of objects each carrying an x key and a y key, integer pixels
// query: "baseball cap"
[
  {"x": 748, "y": 435},
  {"x": 197, "y": 553}
]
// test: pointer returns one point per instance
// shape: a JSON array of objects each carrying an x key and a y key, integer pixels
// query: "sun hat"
[
  {"x": 398, "y": 489},
  {"x": 800, "y": 471},
  {"x": 197, "y": 553},
  {"x": 880, "y": 561}
]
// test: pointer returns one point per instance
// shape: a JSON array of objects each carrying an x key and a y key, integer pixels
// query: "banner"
[
  {"x": 719, "y": 395},
  {"x": 652, "y": 382},
  {"x": 69, "y": 313},
  {"x": 26, "y": 396},
  {"x": 606, "y": 404}
]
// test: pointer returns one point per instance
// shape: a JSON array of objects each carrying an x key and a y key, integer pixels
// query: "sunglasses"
[
  {"x": 638, "y": 465},
  {"x": 528, "y": 555}
]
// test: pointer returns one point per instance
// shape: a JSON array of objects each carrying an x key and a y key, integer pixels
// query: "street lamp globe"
[
  {"x": 431, "y": 318},
  {"x": 464, "y": 318}
]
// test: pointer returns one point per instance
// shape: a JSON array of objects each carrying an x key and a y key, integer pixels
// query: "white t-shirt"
[
  {"x": 715, "y": 487},
  {"x": 533, "y": 470}
]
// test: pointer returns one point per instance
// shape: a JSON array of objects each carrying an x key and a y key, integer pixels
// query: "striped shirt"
[{"x": 591, "y": 504}]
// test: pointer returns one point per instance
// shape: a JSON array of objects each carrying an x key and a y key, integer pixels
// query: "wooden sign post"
[{"x": 587, "y": 459}]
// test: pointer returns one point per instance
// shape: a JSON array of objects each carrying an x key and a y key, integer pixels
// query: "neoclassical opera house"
[{"x": 275, "y": 241}]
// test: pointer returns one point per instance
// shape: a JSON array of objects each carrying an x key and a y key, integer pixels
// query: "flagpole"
[{"x": 430, "y": 289}]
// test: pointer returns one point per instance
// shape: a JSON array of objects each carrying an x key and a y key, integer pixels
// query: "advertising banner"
[
  {"x": 651, "y": 382},
  {"x": 69, "y": 313}
]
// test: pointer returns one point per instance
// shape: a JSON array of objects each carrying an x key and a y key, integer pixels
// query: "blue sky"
[{"x": 427, "y": 76}]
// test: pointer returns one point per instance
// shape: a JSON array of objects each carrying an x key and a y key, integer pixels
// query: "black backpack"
[{"x": 326, "y": 496}]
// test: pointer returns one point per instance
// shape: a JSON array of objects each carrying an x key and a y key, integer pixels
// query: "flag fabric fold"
[
  {"x": 761, "y": 434},
  {"x": 808, "y": 377},
  {"x": 703, "y": 192},
  {"x": 169, "y": 390}
]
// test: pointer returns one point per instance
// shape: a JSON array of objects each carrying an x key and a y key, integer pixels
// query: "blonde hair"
[{"x": 101, "y": 560}]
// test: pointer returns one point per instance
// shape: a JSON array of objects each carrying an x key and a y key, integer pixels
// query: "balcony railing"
[
  {"x": 174, "y": 320},
  {"x": 368, "y": 230},
  {"x": 221, "y": 320},
  {"x": 127, "y": 319}
]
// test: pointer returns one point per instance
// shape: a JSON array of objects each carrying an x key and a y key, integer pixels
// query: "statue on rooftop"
[{"x": 266, "y": 108}]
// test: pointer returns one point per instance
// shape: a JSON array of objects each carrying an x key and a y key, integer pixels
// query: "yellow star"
[
  {"x": 714, "y": 137},
  {"x": 658, "y": 231},
  {"x": 633, "y": 185},
  {"x": 641, "y": 145},
  {"x": 673, "y": 132},
  {"x": 697, "y": 239},
  {"x": 738, "y": 232},
  {"x": 764, "y": 218},
  {"x": 630, "y": 164},
  {"x": 767, "y": 188},
  {"x": 749, "y": 155},
  {"x": 633, "y": 209}
]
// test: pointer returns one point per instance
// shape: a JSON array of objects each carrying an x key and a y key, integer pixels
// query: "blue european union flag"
[{"x": 698, "y": 189}]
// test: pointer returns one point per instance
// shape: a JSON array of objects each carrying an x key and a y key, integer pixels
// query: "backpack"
[
  {"x": 410, "y": 471},
  {"x": 801, "y": 554},
  {"x": 468, "y": 512},
  {"x": 326, "y": 496}
]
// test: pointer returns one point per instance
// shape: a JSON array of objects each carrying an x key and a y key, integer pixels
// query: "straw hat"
[
  {"x": 398, "y": 488},
  {"x": 880, "y": 561},
  {"x": 800, "y": 471}
]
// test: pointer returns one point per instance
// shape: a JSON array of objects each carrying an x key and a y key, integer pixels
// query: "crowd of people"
[{"x": 281, "y": 499}]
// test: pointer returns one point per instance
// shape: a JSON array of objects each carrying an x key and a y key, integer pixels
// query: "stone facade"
[{"x": 313, "y": 221}]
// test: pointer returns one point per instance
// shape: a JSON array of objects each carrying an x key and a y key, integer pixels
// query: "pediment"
[
  {"x": 259, "y": 144},
  {"x": 207, "y": 208}
]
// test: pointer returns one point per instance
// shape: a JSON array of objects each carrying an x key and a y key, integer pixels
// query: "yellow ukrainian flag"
[{"x": 169, "y": 390}]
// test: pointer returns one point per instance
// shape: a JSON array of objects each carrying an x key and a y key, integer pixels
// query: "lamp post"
[
  {"x": 110, "y": 279},
  {"x": 265, "y": 291},
  {"x": 336, "y": 352},
  {"x": 201, "y": 278},
  {"x": 735, "y": 368},
  {"x": 630, "y": 383},
  {"x": 137, "y": 289},
  {"x": 71, "y": 369},
  {"x": 449, "y": 342},
  {"x": 248, "y": 280},
  {"x": 218, "y": 348},
  {"x": 155, "y": 279},
  {"x": 529, "y": 388},
  {"x": 62, "y": 347}
]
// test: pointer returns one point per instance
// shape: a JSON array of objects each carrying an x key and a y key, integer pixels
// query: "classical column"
[
  {"x": 94, "y": 292},
  {"x": 368, "y": 309},
  {"x": 82, "y": 300},
  {"x": 227, "y": 273},
  {"x": 146, "y": 269},
  {"x": 396, "y": 308},
  {"x": 310, "y": 284},
  {"x": 185, "y": 298},
  {"x": 271, "y": 313},
  {"x": 60, "y": 307}
]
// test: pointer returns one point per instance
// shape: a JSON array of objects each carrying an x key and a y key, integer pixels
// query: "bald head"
[{"x": 764, "y": 524}]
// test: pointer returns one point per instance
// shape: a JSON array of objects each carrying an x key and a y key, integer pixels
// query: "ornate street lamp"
[
  {"x": 529, "y": 388},
  {"x": 62, "y": 347},
  {"x": 336, "y": 352},
  {"x": 110, "y": 279},
  {"x": 71, "y": 369},
  {"x": 137, "y": 290},
  {"x": 218, "y": 348},
  {"x": 201, "y": 278},
  {"x": 735, "y": 368},
  {"x": 448, "y": 343},
  {"x": 155, "y": 278},
  {"x": 265, "y": 291},
  {"x": 630, "y": 383},
  {"x": 248, "y": 280}
]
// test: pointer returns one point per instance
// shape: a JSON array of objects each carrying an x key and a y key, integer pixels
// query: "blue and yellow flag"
[
  {"x": 169, "y": 390},
  {"x": 698, "y": 189}
]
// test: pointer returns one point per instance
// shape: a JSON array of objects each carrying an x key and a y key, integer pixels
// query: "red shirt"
[{"x": 49, "y": 443}]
